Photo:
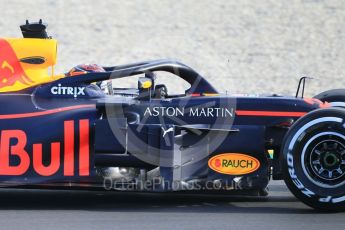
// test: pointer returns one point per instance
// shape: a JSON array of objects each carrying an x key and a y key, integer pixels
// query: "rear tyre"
[
  {"x": 336, "y": 97},
  {"x": 313, "y": 159}
]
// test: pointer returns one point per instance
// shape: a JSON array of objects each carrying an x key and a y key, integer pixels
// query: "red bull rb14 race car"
[{"x": 78, "y": 131}]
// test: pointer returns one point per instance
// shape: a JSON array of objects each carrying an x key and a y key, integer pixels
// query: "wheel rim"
[
  {"x": 326, "y": 160},
  {"x": 323, "y": 159}
]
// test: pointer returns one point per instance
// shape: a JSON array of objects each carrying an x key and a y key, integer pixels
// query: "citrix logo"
[{"x": 62, "y": 90}]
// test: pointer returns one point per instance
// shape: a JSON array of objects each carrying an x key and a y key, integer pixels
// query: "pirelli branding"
[{"x": 234, "y": 163}]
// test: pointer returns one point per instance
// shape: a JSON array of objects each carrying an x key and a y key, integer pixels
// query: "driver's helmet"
[{"x": 84, "y": 69}]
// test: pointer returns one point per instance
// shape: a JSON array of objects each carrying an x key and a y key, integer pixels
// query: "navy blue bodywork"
[{"x": 128, "y": 131}]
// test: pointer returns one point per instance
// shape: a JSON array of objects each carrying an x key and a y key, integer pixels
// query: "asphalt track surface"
[{"x": 37, "y": 209}]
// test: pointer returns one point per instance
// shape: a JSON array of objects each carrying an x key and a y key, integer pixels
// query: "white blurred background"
[{"x": 239, "y": 46}]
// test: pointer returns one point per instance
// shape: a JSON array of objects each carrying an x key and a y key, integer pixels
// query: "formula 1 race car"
[{"x": 77, "y": 130}]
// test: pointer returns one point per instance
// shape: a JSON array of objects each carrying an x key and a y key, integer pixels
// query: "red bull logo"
[
  {"x": 11, "y": 70},
  {"x": 13, "y": 145}
]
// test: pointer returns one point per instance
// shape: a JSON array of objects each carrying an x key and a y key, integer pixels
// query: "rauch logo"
[{"x": 234, "y": 163}]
